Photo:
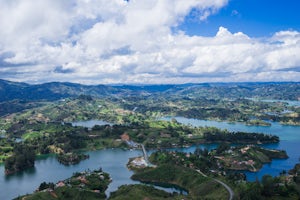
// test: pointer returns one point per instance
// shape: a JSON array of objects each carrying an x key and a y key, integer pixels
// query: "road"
[
  {"x": 145, "y": 153},
  {"x": 230, "y": 191}
]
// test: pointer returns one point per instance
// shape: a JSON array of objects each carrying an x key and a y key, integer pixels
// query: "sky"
[{"x": 149, "y": 41}]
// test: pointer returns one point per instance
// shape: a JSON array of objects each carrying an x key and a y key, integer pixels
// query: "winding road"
[{"x": 230, "y": 191}]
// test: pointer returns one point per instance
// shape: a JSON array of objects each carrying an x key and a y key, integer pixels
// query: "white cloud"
[{"x": 132, "y": 42}]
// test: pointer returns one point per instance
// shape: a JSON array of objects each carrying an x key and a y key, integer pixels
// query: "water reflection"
[
  {"x": 21, "y": 175},
  {"x": 91, "y": 123}
]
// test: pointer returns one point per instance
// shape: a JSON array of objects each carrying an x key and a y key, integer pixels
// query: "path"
[
  {"x": 230, "y": 191},
  {"x": 145, "y": 153}
]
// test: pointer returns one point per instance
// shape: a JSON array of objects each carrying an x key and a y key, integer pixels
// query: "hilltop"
[{"x": 58, "y": 90}]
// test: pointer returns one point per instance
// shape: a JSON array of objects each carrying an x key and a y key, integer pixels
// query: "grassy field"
[
  {"x": 198, "y": 186},
  {"x": 136, "y": 192}
]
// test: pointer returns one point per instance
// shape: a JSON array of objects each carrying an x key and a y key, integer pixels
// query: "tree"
[
  {"x": 22, "y": 158},
  {"x": 252, "y": 192},
  {"x": 268, "y": 185},
  {"x": 45, "y": 185},
  {"x": 222, "y": 147}
]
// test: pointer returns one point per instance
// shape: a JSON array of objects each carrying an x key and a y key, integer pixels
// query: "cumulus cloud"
[{"x": 132, "y": 41}]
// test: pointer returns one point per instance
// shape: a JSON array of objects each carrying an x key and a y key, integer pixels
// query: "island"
[
  {"x": 245, "y": 158},
  {"x": 34, "y": 125},
  {"x": 71, "y": 158},
  {"x": 221, "y": 160},
  {"x": 82, "y": 185},
  {"x": 183, "y": 177},
  {"x": 63, "y": 139},
  {"x": 141, "y": 191},
  {"x": 204, "y": 174}
]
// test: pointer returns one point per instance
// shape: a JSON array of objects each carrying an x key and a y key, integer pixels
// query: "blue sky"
[
  {"x": 149, "y": 41},
  {"x": 256, "y": 18}
]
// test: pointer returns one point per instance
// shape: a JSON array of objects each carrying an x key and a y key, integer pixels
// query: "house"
[
  {"x": 125, "y": 137},
  {"x": 60, "y": 184}
]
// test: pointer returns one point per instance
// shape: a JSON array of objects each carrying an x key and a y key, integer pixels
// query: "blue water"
[
  {"x": 290, "y": 103},
  {"x": 91, "y": 123},
  {"x": 114, "y": 161},
  {"x": 289, "y": 141},
  {"x": 49, "y": 169}
]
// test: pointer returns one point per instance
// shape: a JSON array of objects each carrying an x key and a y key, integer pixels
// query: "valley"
[{"x": 159, "y": 118}]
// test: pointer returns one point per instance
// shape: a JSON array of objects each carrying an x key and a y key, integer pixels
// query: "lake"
[
  {"x": 290, "y": 103},
  {"x": 49, "y": 169},
  {"x": 114, "y": 161},
  {"x": 90, "y": 123},
  {"x": 289, "y": 141}
]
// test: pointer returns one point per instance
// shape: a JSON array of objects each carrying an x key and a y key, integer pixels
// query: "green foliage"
[
  {"x": 135, "y": 192},
  {"x": 65, "y": 193},
  {"x": 31, "y": 135},
  {"x": 251, "y": 191},
  {"x": 239, "y": 137},
  {"x": 187, "y": 178},
  {"x": 245, "y": 157},
  {"x": 71, "y": 158},
  {"x": 87, "y": 185},
  {"x": 22, "y": 158},
  {"x": 45, "y": 185},
  {"x": 222, "y": 147},
  {"x": 269, "y": 188}
]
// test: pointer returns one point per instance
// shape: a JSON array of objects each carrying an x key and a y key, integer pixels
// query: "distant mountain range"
[{"x": 58, "y": 90}]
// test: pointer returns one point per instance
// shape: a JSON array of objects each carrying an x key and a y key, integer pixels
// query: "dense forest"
[{"x": 23, "y": 157}]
